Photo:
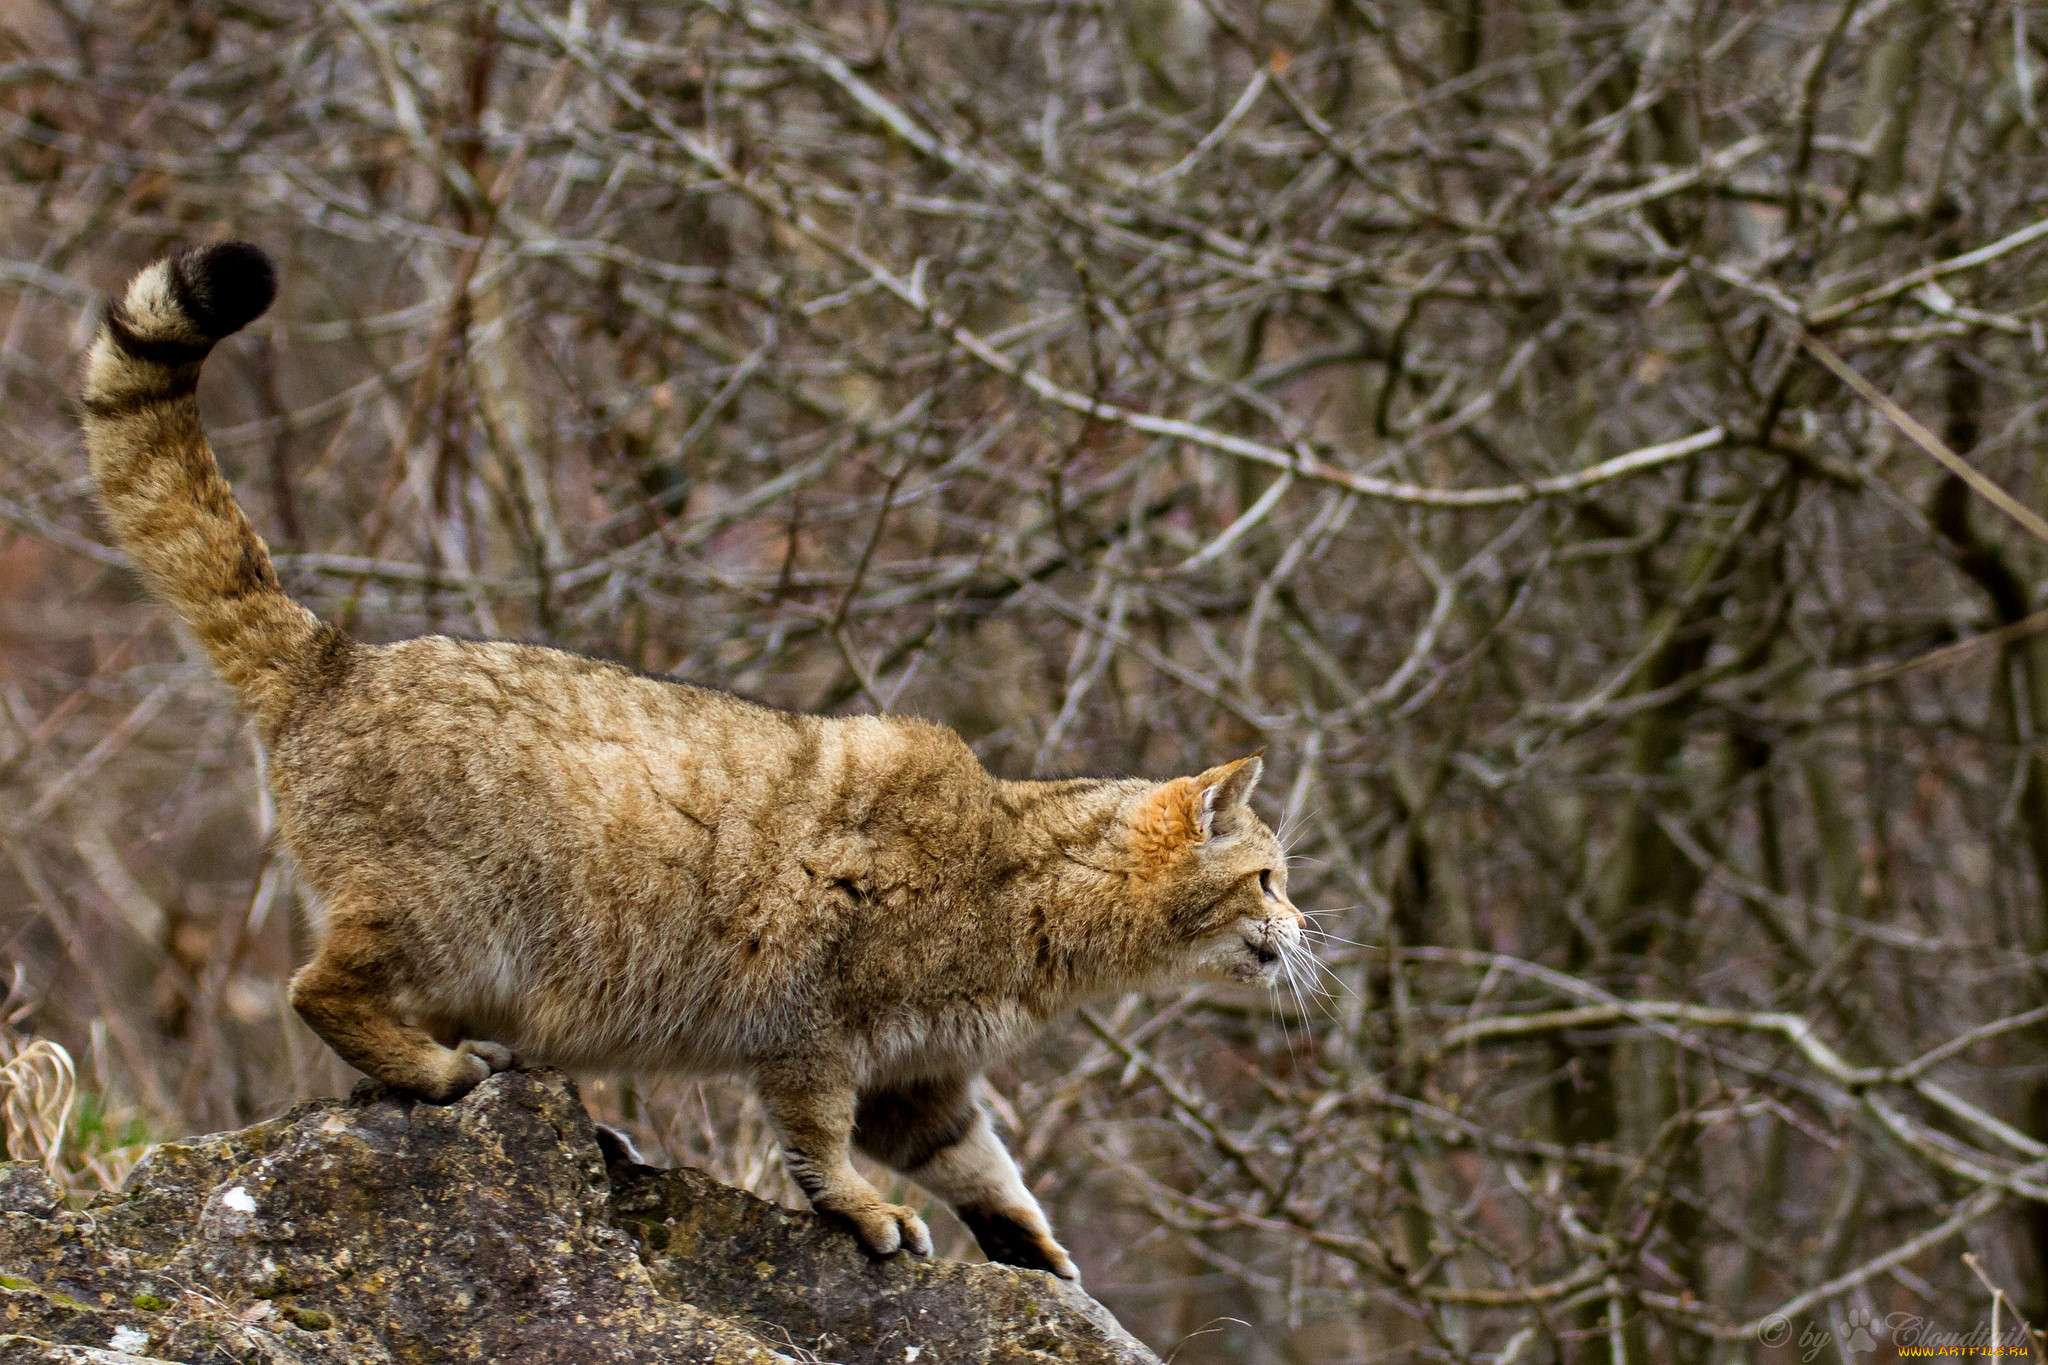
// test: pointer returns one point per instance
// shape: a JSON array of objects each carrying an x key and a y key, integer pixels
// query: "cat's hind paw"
[{"x": 1019, "y": 1237}]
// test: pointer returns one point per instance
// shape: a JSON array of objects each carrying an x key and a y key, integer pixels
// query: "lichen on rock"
[{"x": 381, "y": 1229}]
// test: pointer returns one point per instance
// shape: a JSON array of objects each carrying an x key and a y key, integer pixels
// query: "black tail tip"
[{"x": 223, "y": 287}]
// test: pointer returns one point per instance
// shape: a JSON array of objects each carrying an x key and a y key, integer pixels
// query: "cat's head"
[{"x": 1216, "y": 876}]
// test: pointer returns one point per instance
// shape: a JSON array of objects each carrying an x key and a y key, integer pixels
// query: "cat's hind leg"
[
  {"x": 938, "y": 1134},
  {"x": 814, "y": 1119},
  {"x": 346, "y": 995}
]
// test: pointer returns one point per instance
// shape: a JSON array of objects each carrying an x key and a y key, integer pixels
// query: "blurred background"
[{"x": 1447, "y": 395}]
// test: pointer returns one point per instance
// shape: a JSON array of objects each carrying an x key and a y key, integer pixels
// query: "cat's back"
[
  {"x": 438, "y": 736},
  {"x": 461, "y": 745}
]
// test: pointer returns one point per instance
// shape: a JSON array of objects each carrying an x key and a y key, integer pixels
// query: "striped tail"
[{"x": 162, "y": 490}]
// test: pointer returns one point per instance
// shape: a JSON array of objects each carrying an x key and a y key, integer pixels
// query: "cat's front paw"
[
  {"x": 454, "y": 1075},
  {"x": 885, "y": 1229},
  {"x": 1019, "y": 1237},
  {"x": 495, "y": 1056},
  {"x": 464, "y": 1069}
]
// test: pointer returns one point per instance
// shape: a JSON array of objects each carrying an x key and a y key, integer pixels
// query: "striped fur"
[{"x": 162, "y": 490}]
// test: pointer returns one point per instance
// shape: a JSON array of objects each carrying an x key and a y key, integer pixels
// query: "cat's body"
[
  {"x": 859, "y": 877},
  {"x": 520, "y": 850}
]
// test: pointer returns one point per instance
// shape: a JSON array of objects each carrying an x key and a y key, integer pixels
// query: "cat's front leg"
[
  {"x": 938, "y": 1134},
  {"x": 815, "y": 1122}
]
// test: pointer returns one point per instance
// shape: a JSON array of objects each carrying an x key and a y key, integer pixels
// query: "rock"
[
  {"x": 746, "y": 1259},
  {"x": 381, "y": 1229},
  {"x": 27, "y": 1188}
]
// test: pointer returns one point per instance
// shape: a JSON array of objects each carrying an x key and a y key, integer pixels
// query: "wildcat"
[{"x": 521, "y": 851}]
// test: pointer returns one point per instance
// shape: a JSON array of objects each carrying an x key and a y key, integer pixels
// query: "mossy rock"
[{"x": 380, "y": 1229}]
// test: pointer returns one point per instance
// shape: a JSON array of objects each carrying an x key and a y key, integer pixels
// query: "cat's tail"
[{"x": 162, "y": 490}]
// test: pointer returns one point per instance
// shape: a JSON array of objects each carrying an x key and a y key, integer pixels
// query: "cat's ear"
[
  {"x": 1224, "y": 793},
  {"x": 1188, "y": 812}
]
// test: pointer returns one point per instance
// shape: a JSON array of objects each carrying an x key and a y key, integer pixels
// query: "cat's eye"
[{"x": 1266, "y": 883}]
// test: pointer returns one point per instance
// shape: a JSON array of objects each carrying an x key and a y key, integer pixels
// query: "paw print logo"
[{"x": 1862, "y": 1330}]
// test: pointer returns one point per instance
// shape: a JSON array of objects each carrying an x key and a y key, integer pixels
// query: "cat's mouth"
[
  {"x": 1251, "y": 954},
  {"x": 1261, "y": 965}
]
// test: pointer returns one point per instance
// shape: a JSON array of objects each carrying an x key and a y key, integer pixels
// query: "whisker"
[
  {"x": 1292, "y": 826},
  {"x": 1320, "y": 970},
  {"x": 1309, "y": 991},
  {"x": 1298, "y": 956},
  {"x": 1301, "y": 958},
  {"x": 1280, "y": 1011},
  {"x": 1331, "y": 910},
  {"x": 1325, "y": 969},
  {"x": 1325, "y": 936},
  {"x": 1300, "y": 966},
  {"x": 1300, "y": 1001},
  {"x": 1304, "y": 991}
]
